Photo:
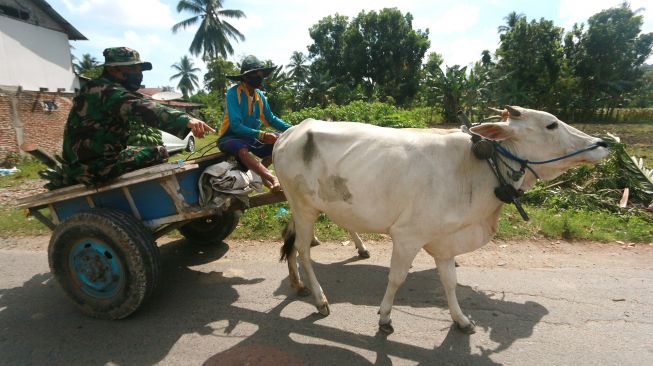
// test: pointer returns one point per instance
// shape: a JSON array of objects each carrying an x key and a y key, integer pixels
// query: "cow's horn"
[
  {"x": 499, "y": 111},
  {"x": 513, "y": 111},
  {"x": 493, "y": 118}
]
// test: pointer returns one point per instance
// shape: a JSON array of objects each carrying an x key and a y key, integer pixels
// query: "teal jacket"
[{"x": 245, "y": 115}]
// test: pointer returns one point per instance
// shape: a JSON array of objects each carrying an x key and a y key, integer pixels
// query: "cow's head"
[{"x": 539, "y": 136}]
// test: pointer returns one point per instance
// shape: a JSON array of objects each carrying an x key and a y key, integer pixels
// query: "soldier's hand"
[{"x": 199, "y": 128}]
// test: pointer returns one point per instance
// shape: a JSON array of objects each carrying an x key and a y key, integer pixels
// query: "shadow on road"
[{"x": 38, "y": 325}]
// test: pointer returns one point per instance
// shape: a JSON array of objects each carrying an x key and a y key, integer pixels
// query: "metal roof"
[{"x": 72, "y": 32}]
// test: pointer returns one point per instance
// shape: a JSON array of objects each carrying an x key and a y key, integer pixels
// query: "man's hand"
[
  {"x": 198, "y": 127},
  {"x": 269, "y": 138}
]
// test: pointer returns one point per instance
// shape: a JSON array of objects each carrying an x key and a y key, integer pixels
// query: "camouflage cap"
[
  {"x": 251, "y": 64},
  {"x": 123, "y": 56}
]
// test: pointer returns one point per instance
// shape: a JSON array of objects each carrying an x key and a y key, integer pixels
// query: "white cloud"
[
  {"x": 456, "y": 19},
  {"x": 129, "y": 13},
  {"x": 464, "y": 49},
  {"x": 246, "y": 25}
]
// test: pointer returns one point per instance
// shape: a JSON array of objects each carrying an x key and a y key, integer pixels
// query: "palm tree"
[
  {"x": 86, "y": 64},
  {"x": 298, "y": 68},
  {"x": 212, "y": 35},
  {"x": 319, "y": 87},
  {"x": 511, "y": 21},
  {"x": 187, "y": 79}
]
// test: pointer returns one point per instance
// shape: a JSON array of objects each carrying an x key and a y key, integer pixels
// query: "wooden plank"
[
  {"x": 153, "y": 224},
  {"x": 168, "y": 228},
  {"x": 257, "y": 200},
  {"x": 44, "y": 220},
  {"x": 171, "y": 186},
  {"x": 79, "y": 190},
  {"x": 130, "y": 200},
  {"x": 55, "y": 217}
]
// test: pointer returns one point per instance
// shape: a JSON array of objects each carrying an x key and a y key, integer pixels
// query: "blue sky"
[{"x": 459, "y": 30}]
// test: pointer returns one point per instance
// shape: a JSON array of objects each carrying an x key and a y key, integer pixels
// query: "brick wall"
[
  {"x": 7, "y": 132},
  {"x": 24, "y": 118}
]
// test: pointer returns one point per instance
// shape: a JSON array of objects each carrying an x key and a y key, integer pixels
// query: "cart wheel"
[
  {"x": 106, "y": 262},
  {"x": 212, "y": 229}
]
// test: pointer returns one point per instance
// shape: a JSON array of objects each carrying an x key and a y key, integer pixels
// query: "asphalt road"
[{"x": 537, "y": 304}]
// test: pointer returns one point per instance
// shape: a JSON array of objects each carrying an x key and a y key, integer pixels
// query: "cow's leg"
[
  {"x": 303, "y": 239},
  {"x": 402, "y": 258},
  {"x": 447, "y": 271},
  {"x": 362, "y": 250},
  {"x": 293, "y": 269},
  {"x": 293, "y": 274}
]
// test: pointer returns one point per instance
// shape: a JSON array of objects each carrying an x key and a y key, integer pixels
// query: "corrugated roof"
[
  {"x": 72, "y": 32},
  {"x": 173, "y": 103}
]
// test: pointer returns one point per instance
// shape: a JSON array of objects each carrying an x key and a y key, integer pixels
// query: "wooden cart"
[{"x": 103, "y": 248}]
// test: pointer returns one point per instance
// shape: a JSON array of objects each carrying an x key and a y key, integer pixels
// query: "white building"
[
  {"x": 34, "y": 48},
  {"x": 37, "y": 82}
]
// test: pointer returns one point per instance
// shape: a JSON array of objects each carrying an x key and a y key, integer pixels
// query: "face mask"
[
  {"x": 254, "y": 81},
  {"x": 133, "y": 81}
]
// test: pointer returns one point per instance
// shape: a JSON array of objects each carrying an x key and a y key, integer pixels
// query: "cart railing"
[{"x": 162, "y": 197}]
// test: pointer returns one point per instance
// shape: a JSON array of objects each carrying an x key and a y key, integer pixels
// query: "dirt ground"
[{"x": 9, "y": 195}]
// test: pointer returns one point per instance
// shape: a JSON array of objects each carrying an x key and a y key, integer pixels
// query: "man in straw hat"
[
  {"x": 95, "y": 137},
  {"x": 241, "y": 133}
]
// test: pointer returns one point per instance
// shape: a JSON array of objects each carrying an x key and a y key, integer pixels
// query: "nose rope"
[{"x": 525, "y": 163}]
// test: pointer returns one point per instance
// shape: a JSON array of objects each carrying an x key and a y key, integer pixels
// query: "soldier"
[
  {"x": 241, "y": 133},
  {"x": 95, "y": 137}
]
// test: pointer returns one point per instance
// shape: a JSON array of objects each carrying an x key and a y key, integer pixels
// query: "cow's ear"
[{"x": 493, "y": 131}]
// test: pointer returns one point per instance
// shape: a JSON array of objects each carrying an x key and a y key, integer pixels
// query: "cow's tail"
[{"x": 288, "y": 235}]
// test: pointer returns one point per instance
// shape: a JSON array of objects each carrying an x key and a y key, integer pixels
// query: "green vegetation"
[
  {"x": 573, "y": 224},
  {"x": 377, "y": 113},
  {"x": 13, "y": 222},
  {"x": 591, "y": 72},
  {"x": 29, "y": 169},
  {"x": 188, "y": 81},
  {"x": 212, "y": 35}
]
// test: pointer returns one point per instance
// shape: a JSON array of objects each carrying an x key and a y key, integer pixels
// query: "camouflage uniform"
[{"x": 95, "y": 137}]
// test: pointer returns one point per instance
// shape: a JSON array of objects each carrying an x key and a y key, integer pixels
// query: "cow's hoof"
[
  {"x": 364, "y": 254},
  {"x": 304, "y": 291},
  {"x": 324, "y": 309},
  {"x": 387, "y": 328},
  {"x": 467, "y": 329}
]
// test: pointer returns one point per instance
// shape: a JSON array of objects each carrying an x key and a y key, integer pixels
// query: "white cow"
[{"x": 426, "y": 190}]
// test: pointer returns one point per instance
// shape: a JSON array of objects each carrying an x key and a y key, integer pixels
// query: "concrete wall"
[
  {"x": 23, "y": 118},
  {"x": 34, "y": 57}
]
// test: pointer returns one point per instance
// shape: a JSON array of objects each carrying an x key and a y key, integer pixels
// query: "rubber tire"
[
  {"x": 190, "y": 147},
  {"x": 211, "y": 230},
  {"x": 129, "y": 239}
]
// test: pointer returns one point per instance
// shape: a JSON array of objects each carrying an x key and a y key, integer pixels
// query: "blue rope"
[{"x": 524, "y": 162}]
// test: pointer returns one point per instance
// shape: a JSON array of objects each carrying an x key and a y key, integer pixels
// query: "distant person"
[
  {"x": 95, "y": 147},
  {"x": 241, "y": 133}
]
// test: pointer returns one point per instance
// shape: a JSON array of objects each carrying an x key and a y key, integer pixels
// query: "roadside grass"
[
  {"x": 14, "y": 222},
  {"x": 575, "y": 225},
  {"x": 266, "y": 223},
  {"x": 29, "y": 169}
]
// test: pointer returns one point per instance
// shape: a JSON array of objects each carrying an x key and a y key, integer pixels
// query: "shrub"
[{"x": 376, "y": 113}]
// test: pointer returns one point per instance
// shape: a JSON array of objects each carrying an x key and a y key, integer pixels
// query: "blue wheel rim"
[{"x": 96, "y": 268}]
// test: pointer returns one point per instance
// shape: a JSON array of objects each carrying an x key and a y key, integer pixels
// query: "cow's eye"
[{"x": 552, "y": 126}]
